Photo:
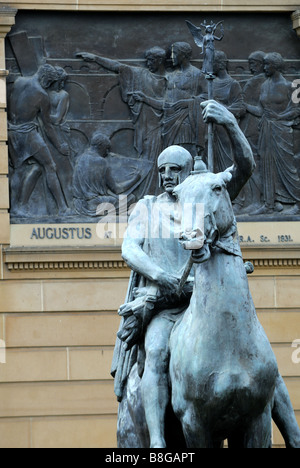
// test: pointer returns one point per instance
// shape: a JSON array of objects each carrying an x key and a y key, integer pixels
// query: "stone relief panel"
[{"x": 94, "y": 98}]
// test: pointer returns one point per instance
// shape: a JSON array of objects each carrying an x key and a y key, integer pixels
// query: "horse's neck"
[{"x": 220, "y": 282}]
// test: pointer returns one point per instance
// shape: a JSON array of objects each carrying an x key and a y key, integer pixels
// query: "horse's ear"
[{"x": 226, "y": 176}]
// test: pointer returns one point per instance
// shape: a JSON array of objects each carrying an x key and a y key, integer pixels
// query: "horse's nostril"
[{"x": 192, "y": 239}]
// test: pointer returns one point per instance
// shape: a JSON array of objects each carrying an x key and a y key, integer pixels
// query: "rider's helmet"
[{"x": 177, "y": 156}]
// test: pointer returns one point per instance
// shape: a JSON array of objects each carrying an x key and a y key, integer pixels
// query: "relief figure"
[
  {"x": 250, "y": 126},
  {"x": 30, "y": 157},
  {"x": 94, "y": 182},
  {"x": 281, "y": 183},
  {"x": 182, "y": 122},
  {"x": 60, "y": 103},
  {"x": 149, "y": 81},
  {"x": 228, "y": 92}
]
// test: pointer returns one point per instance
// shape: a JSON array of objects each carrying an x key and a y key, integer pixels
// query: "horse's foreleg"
[
  {"x": 259, "y": 433},
  {"x": 195, "y": 433}
]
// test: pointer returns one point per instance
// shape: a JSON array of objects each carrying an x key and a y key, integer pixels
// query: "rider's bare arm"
[{"x": 244, "y": 163}]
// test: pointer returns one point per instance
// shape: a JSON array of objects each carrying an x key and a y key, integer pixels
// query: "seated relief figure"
[
  {"x": 152, "y": 308},
  {"x": 94, "y": 184},
  {"x": 280, "y": 180},
  {"x": 29, "y": 115}
]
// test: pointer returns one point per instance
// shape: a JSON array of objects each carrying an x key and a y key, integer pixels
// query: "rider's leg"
[
  {"x": 154, "y": 385},
  {"x": 284, "y": 415}
]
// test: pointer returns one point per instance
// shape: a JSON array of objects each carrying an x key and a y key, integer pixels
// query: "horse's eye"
[{"x": 217, "y": 188}]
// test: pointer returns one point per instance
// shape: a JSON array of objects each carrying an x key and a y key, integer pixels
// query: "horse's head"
[{"x": 206, "y": 196}]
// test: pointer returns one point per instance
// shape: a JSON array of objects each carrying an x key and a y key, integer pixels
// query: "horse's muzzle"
[
  {"x": 192, "y": 239},
  {"x": 201, "y": 255}
]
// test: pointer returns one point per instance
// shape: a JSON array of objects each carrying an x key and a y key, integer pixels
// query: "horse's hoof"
[{"x": 158, "y": 444}]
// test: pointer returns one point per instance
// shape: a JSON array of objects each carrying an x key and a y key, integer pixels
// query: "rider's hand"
[
  {"x": 217, "y": 113},
  {"x": 168, "y": 284},
  {"x": 125, "y": 310}
]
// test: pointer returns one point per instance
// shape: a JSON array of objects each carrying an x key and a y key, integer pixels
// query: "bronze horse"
[{"x": 222, "y": 369}]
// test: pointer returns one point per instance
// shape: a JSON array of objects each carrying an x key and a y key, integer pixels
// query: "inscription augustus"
[
  {"x": 251, "y": 235},
  {"x": 41, "y": 233},
  {"x": 65, "y": 233}
]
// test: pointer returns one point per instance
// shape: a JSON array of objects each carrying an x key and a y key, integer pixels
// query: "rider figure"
[{"x": 159, "y": 262}]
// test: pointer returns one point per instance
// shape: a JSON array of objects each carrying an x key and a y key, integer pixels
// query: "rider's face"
[{"x": 169, "y": 176}]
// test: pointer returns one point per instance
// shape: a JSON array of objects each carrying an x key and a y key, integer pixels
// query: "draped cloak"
[
  {"x": 184, "y": 125},
  {"x": 281, "y": 182}
]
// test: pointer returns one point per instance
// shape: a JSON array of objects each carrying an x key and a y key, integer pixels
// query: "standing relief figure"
[
  {"x": 30, "y": 157},
  {"x": 60, "y": 103},
  {"x": 280, "y": 180},
  {"x": 252, "y": 192},
  {"x": 182, "y": 122},
  {"x": 228, "y": 92}
]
